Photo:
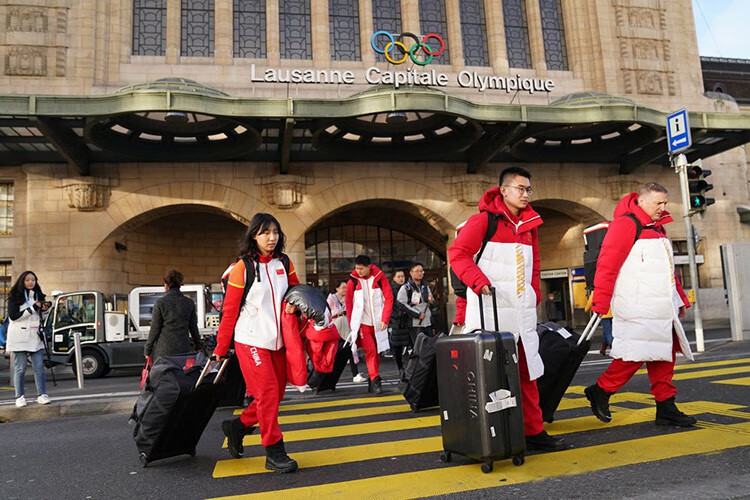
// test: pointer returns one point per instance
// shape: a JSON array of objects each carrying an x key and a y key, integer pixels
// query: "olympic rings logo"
[{"x": 419, "y": 44}]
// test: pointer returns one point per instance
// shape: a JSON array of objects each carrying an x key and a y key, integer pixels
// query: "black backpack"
[
  {"x": 593, "y": 237},
  {"x": 249, "y": 278},
  {"x": 459, "y": 287}
]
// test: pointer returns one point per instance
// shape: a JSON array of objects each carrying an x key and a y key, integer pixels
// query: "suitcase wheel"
[
  {"x": 445, "y": 456},
  {"x": 518, "y": 460},
  {"x": 142, "y": 458},
  {"x": 414, "y": 407},
  {"x": 487, "y": 467}
]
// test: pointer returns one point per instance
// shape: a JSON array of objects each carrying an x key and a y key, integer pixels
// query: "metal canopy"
[{"x": 180, "y": 120}]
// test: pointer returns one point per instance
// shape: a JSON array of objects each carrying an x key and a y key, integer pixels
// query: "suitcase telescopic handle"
[
  {"x": 206, "y": 368},
  {"x": 494, "y": 309},
  {"x": 588, "y": 332}
]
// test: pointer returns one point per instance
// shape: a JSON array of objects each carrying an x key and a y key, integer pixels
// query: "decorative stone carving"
[
  {"x": 284, "y": 191},
  {"x": 27, "y": 19},
  {"x": 26, "y": 61},
  {"x": 469, "y": 188},
  {"x": 618, "y": 186},
  {"x": 60, "y": 59},
  {"x": 645, "y": 49},
  {"x": 641, "y": 18},
  {"x": 87, "y": 194},
  {"x": 649, "y": 82}
]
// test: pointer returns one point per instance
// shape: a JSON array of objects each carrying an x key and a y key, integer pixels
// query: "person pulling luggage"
[
  {"x": 510, "y": 264},
  {"x": 255, "y": 326},
  {"x": 635, "y": 273}
]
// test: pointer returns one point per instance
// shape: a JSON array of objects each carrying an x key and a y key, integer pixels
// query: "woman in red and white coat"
[
  {"x": 509, "y": 264},
  {"x": 369, "y": 302},
  {"x": 637, "y": 277},
  {"x": 256, "y": 326}
]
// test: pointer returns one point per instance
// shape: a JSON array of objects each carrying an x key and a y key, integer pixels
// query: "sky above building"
[{"x": 722, "y": 27}]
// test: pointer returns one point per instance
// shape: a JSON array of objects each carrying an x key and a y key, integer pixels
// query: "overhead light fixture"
[
  {"x": 395, "y": 118},
  {"x": 176, "y": 117}
]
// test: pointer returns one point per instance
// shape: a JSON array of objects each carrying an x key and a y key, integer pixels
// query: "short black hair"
[
  {"x": 363, "y": 260},
  {"x": 258, "y": 224},
  {"x": 512, "y": 172},
  {"x": 416, "y": 264},
  {"x": 173, "y": 279}
]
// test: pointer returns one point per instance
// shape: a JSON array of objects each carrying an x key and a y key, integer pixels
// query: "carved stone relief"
[
  {"x": 649, "y": 82},
  {"x": 645, "y": 49},
  {"x": 641, "y": 18},
  {"x": 87, "y": 194},
  {"x": 27, "y": 19},
  {"x": 469, "y": 188},
  {"x": 26, "y": 61},
  {"x": 284, "y": 191}
]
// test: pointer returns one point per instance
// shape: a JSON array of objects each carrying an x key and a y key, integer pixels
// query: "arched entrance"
[
  {"x": 198, "y": 240},
  {"x": 561, "y": 253},
  {"x": 393, "y": 233}
]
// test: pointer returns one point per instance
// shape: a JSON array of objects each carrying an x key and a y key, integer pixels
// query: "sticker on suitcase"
[
  {"x": 501, "y": 400},
  {"x": 488, "y": 355}
]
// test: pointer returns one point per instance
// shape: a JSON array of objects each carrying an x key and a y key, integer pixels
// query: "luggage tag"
[
  {"x": 34, "y": 322},
  {"x": 501, "y": 400},
  {"x": 564, "y": 333}
]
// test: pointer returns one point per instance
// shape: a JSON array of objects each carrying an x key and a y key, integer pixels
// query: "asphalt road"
[{"x": 352, "y": 445}]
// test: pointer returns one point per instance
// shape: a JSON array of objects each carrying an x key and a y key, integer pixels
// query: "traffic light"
[{"x": 697, "y": 185}]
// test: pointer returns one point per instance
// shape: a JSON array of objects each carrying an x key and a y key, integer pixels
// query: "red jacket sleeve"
[
  {"x": 292, "y": 277},
  {"x": 616, "y": 247},
  {"x": 230, "y": 309},
  {"x": 460, "y": 318},
  {"x": 537, "y": 267},
  {"x": 349, "y": 299},
  {"x": 385, "y": 286},
  {"x": 461, "y": 253}
]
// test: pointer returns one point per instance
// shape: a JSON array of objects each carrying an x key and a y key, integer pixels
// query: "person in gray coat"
[
  {"x": 416, "y": 300},
  {"x": 173, "y": 322}
]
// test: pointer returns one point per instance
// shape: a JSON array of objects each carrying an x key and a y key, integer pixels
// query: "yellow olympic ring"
[{"x": 387, "y": 52}]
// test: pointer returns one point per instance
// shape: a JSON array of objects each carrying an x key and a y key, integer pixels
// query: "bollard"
[{"x": 79, "y": 366}]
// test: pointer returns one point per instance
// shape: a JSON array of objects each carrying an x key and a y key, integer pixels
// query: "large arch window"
[
  {"x": 474, "y": 33},
  {"x": 553, "y": 33},
  {"x": 296, "y": 34},
  {"x": 197, "y": 33},
  {"x": 432, "y": 20},
  {"x": 517, "y": 33},
  {"x": 149, "y": 27},
  {"x": 343, "y": 18},
  {"x": 330, "y": 252},
  {"x": 386, "y": 15},
  {"x": 250, "y": 28}
]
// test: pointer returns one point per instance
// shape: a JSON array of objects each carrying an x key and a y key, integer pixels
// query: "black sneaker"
[
  {"x": 277, "y": 460},
  {"x": 544, "y": 442},
  {"x": 599, "y": 400},
  {"x": 377, "y": 387},
  {"x": 668, "y": 414},
  {"x": 235, "y": 430}
]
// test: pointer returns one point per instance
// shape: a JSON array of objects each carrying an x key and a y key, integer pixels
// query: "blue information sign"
[{"x": 678, "y": 131}]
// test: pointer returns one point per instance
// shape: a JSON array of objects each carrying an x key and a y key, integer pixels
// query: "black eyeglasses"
[{"x": 521, "y": 189}]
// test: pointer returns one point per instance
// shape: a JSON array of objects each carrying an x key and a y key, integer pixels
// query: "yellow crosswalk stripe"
[
  {"x": 538, "y": 467},
  {"x": 707, "y": 364},
  {"x": 733, "y": 381},
  {"x": 339, "y": 414},
  {"x": 339, "y": 402},
  {"x": 711, "y": 373},
  {"x": 336, "y": 456}
]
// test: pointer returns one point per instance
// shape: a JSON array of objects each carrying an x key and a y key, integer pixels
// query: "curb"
[{"x": 66, "y": 409}]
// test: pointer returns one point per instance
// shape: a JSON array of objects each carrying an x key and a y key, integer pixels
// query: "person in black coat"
[
  {"x": 173, "y": 322},
  {"x": 398, "y": 326}
]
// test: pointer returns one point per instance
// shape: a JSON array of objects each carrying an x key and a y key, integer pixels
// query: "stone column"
[
  {"x": 272, "y": 33},
  {"x": 536, "y": 41},
  {"x": 174, "y": 26},
  {"x": 321, "y": 42},
  {"x": 496, "y": 45},
  {"x": 366, "y": 29},
  {"x": 410, "y": 16},
  {"x": 223, "y": 32},
  {"x": 455, "y": 42}
]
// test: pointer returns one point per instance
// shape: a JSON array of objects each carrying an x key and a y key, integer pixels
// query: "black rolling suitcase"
[
  {"x": 562, "y": 351},
  {"x": 232, "y": 389},
  {"x": 328, "y": 381},
  {"x": 421, "y": 389},
  {"x": 480, "y": 396},
  {"x": 175, "y": 406}
]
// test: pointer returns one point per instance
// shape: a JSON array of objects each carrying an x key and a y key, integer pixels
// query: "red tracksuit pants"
[
  {"x": 366, "y": 341},
  {"x": 264, "y": 372},
  {"x": 660, "y": 374},
  {"x": 532, "y": 414}
]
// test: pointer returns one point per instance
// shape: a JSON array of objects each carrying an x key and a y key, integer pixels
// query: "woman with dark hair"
[
  {"x": 174, "y": 321},
  {"x": 252, "y": 316},
  {"x": 25, "y": 306}
]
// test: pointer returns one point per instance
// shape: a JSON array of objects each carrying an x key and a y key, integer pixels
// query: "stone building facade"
[{"x": 89, "y": 213}]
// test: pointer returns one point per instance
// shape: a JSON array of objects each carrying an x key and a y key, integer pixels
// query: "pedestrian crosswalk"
[{"x": 375, "y": 447}]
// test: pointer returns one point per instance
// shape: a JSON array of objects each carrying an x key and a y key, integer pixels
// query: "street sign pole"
[{"x": 681, "y": 166}]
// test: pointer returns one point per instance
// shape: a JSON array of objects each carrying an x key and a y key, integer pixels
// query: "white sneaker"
[
  {"x": 43, "y": 400},
  {"x": 20, "y": 402},
  {"x": 358, "y": 378}
]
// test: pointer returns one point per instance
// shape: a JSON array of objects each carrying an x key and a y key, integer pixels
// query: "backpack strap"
[
  {"x": 638, "y": 226},
  {"x": 491, "y": 229}
]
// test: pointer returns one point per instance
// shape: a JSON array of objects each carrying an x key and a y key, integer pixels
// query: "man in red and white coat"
[
  {"x": 637, "y": 277},
  {"x": 369, "y": 301},
  {"x": 510, "y": 264}
]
